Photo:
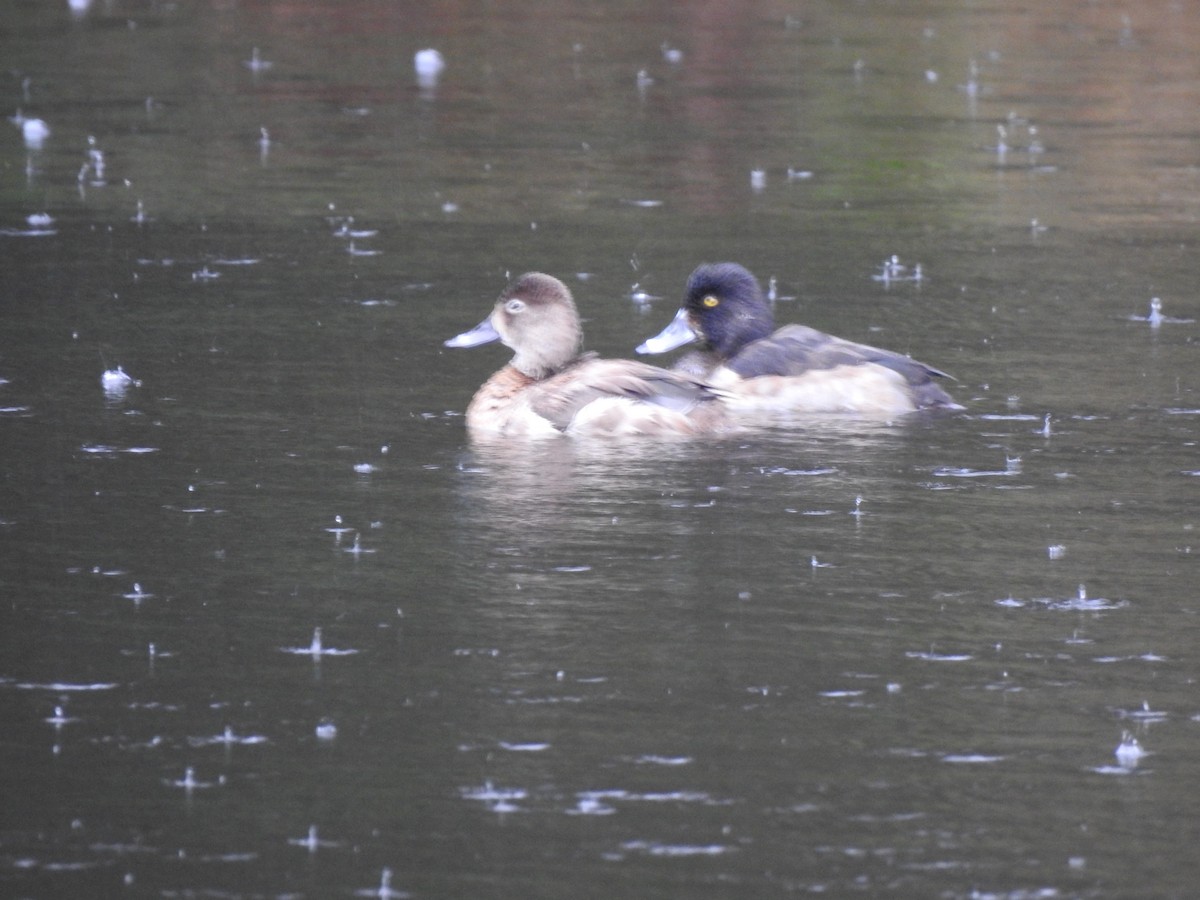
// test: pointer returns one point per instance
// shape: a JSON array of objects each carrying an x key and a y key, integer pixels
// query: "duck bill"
[
  {"x": 678, "y": 333},
  {"x": 483, "y": 333}
]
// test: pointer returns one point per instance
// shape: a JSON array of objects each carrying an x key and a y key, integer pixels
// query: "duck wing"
[
  {"x": 797, "y": 349},
  {"x": 560, "y": 398}
]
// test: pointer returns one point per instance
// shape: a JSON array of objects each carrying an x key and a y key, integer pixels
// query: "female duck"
[
  {"x": 549, "y": 388},
  {"x": 795, "y": 369}
]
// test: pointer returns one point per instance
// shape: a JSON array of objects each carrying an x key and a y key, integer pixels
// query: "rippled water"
[{"x": 826, "y": 657}]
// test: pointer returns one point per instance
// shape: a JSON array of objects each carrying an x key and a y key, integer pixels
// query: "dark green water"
[{"x": 646, "y": 670}]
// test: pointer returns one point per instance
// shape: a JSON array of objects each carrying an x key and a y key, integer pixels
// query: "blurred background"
[{"x": 832, "y": 656}]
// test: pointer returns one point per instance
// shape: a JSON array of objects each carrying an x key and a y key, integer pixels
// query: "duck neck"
[
  {"x": 510, "y": 378},
  {"x": 698, "y": 363},
  {"x": 542, "y": 362}
]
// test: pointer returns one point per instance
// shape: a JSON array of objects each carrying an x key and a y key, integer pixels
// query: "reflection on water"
[
  {"x": 557, "y": 497},
  {"x": 273, "y": 625}
]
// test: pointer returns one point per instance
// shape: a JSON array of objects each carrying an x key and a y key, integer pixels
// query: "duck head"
[
  {"x": 535, "y": 316},
  {"x": 723, "y": 308}
]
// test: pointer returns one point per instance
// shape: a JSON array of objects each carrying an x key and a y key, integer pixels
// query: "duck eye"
[
  {"x": 515, "y": 305},
  {"x": 710, "y": 301}
]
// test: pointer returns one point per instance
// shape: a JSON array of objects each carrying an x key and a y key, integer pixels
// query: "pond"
[{"x": 274, "y": 625}]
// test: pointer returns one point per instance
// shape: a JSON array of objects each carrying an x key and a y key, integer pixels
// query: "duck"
[
  {"x": 795, "y": 369},
  {"x": 550, "y": 388}
]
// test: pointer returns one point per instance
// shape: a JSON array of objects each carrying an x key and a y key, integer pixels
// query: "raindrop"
[
  {"x": 1129, "y": 752},
  {"x": 357, "y": 549},
  {"x": 316, "y": 648},
  {"x": 591, "y": 806},
  {"x": 311, "y": 842},
  {"x": 137, "y": 595},
  {"x": 892, "y": 269},
  {"x": 337, "y": 529},
  {"x": 116, "y": 381},
  {"x": 1125, "y": 36},
  {"x": 59, "y": 719},
  {"x": 971, "y": 88},
  {"x": 385, "y": 890},
  {"x": 1156, "y": 317},
  {"x": 189, "y": 782},
  {"x": 429, "y": 65},
  {"x": 256, "y": 63},
  {"x": 33, "y": 131},
  {"x": 640, "y": 296}
]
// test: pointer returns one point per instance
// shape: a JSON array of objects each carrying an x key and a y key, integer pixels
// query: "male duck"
[
  {"x": 795, "y": 369},
  {"x": 549, "y": 388}
]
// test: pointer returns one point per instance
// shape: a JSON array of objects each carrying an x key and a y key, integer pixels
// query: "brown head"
[{"x": 536, "y": 317}]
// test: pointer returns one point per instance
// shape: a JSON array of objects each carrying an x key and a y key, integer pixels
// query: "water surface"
[{"x": 824, "y": 657}]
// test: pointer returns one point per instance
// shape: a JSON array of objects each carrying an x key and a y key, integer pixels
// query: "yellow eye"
[{"x": 710, "y": 301}]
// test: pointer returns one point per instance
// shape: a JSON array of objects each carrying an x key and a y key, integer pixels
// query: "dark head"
[
  {"x": 726, "y": 307},
  {"x": 723, "y": 308}
]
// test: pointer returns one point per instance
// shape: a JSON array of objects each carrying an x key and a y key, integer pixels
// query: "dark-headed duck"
[
  {"x": 795, "y": 369},
  {"x": 549, "y": 388}
]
